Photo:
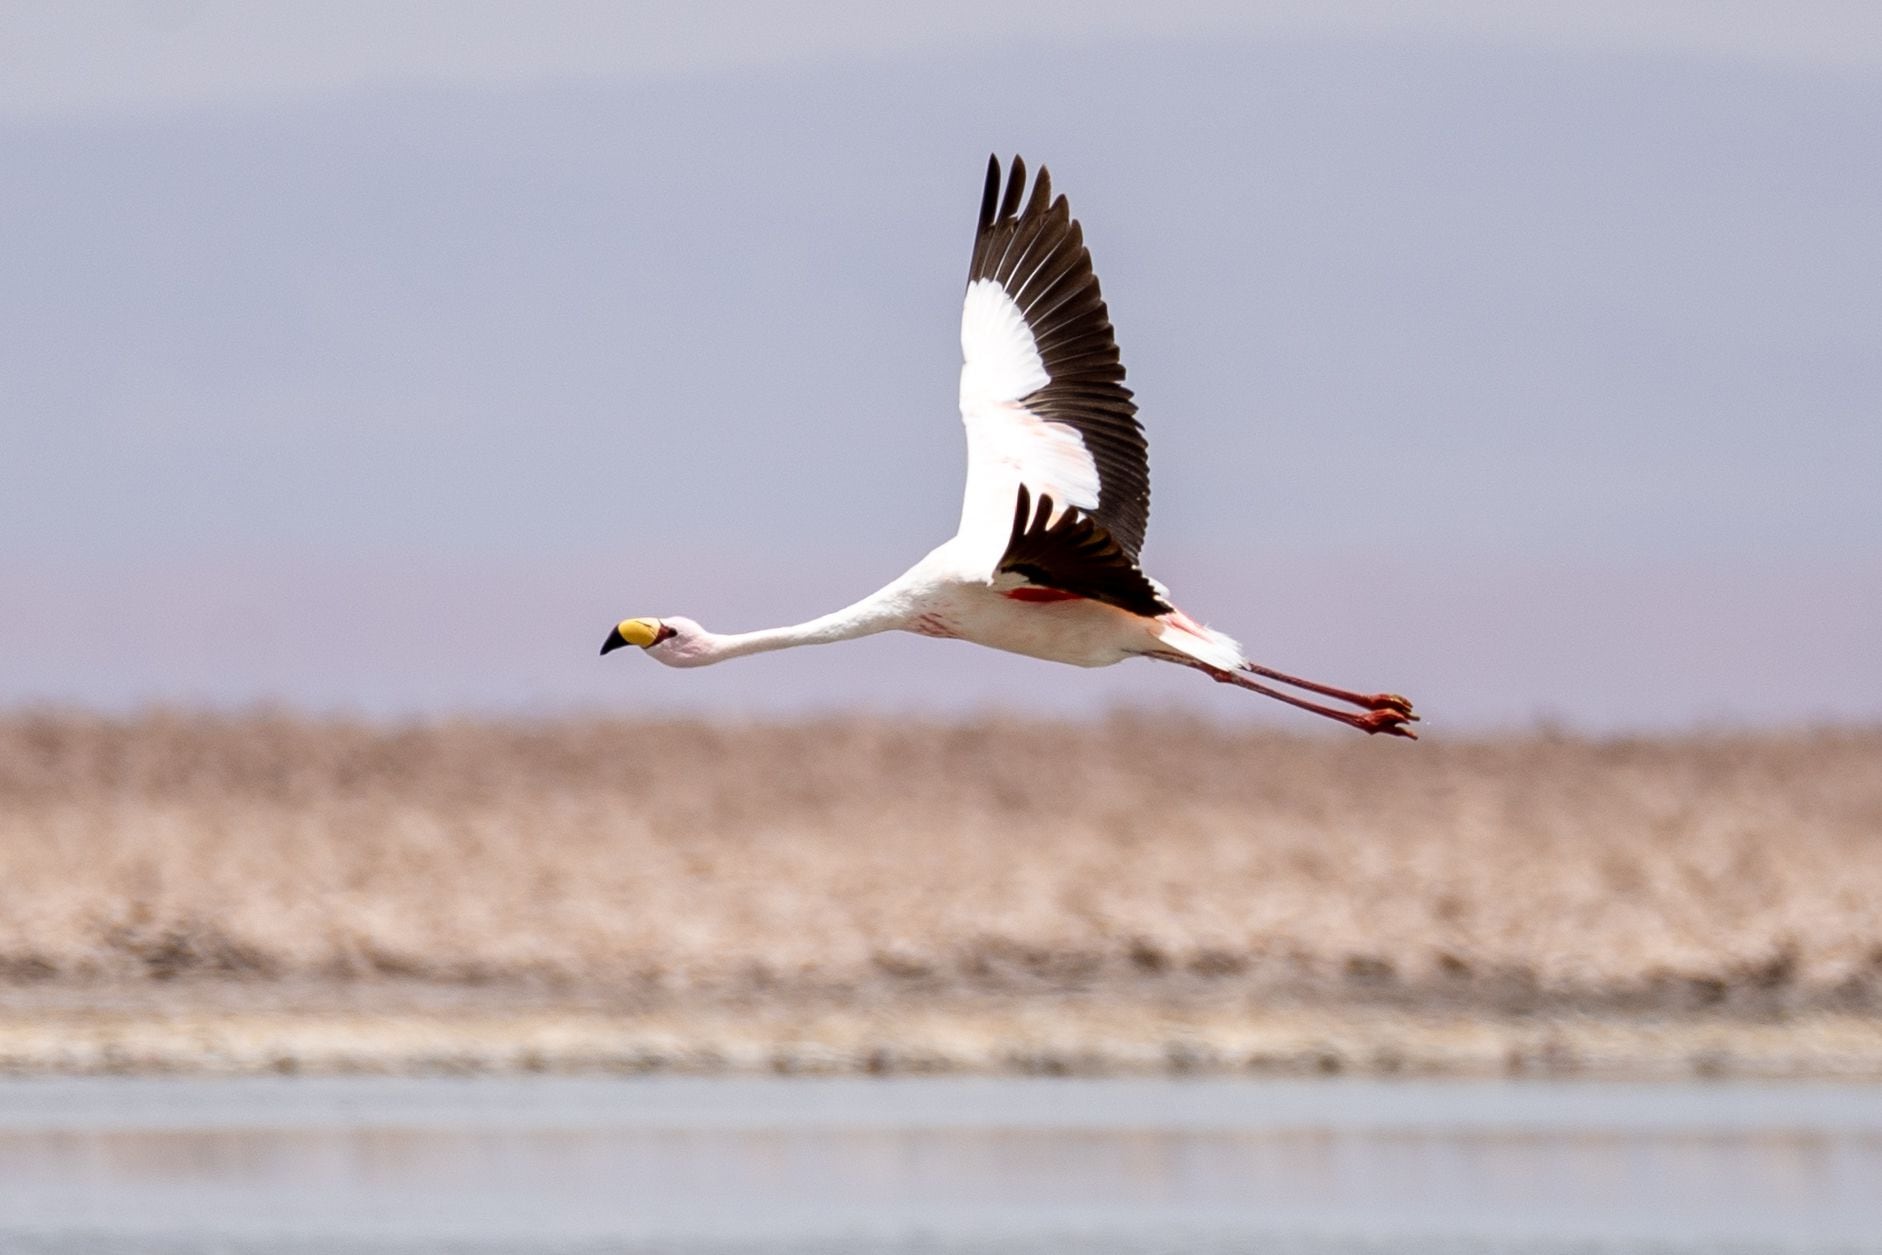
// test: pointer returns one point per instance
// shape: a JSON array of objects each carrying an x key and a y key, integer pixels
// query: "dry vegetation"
[{"x": 850, "y": 859}]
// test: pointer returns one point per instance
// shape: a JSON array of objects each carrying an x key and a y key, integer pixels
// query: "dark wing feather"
[
  {"x": 1075, "y": 554},
  {"x": 1038, "y": 256}
]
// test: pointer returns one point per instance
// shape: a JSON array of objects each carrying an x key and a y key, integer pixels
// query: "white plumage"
[{"x": 1058, "y": 491}]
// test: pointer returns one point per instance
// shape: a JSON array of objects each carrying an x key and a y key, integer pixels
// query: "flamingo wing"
[{"x": 1049, "y": 421}]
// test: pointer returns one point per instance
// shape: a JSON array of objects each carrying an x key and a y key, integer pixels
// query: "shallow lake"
[{"x": 934, "y": 1165}]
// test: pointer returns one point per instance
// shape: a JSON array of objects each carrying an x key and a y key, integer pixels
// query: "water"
[{"x": 1110, "y": 1167}]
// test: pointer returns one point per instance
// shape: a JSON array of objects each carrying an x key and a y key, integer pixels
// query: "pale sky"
[
  {"x": 1527, "y": 360},
  {"x": 63, "y": 58}
]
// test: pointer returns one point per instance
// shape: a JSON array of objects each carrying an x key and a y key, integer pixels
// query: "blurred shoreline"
[
  {"x": 219, "y": 1030},
  {"x": 280, "y": 893}
]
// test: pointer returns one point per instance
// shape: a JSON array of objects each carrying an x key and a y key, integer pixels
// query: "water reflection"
[{"x": 878, "y": 1169}]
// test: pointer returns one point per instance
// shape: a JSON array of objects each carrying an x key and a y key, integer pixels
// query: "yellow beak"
[{"x": 641, "y": 632}]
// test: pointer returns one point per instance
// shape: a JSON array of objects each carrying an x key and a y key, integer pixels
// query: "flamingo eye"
[{"x": 665, "y": 633}]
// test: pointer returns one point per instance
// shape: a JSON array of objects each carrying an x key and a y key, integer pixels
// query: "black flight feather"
[
  {"x": 1075, "y": 554},
  {"x": 1039, "y": 258}
]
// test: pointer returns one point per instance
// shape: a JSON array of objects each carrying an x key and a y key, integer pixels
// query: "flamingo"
[{"x": 1058, "y": 492}]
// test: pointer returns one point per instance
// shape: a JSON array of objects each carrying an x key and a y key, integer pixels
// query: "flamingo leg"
[
  {"x": 1391, "y": 719},
  {"x": 1365, "y": 701}
]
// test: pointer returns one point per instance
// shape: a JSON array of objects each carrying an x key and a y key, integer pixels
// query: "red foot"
[{"x": 1390, "y": 721}]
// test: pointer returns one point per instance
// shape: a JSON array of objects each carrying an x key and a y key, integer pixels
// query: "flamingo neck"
[{"x": 861, "y": 619}]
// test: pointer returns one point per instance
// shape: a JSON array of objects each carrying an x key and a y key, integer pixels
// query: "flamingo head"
[{"x": 672, "y": 641}]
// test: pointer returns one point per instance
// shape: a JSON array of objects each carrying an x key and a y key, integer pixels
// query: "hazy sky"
[{"x": 380, "y": 357}]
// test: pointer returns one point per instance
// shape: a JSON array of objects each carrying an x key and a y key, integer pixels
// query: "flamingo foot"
[{"x": 1389, "y": 720}]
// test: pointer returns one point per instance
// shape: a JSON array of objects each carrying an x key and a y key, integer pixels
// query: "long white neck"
[{"x": 865, "y": 618}]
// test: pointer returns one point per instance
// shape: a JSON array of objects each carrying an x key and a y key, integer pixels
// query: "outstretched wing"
[
  {"x": 1073, "y": 554},
  {"x": 1042, "y": 392}
]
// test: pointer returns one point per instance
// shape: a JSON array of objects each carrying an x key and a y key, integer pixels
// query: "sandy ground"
[{"x": 272, "y": 892}]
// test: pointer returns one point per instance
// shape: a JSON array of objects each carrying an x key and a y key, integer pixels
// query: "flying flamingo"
[{"x": 1058, "y": 492}]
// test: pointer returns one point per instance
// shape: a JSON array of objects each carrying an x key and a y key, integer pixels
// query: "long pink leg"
[
  {"x": 1366, "y": 701},
  {"x": 1388, "y": 719}
]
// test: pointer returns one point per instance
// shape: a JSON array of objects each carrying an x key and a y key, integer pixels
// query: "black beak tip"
[{"x": 615, "y": 641}]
